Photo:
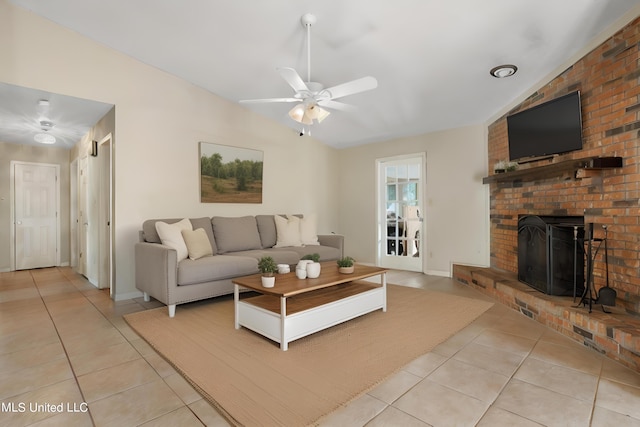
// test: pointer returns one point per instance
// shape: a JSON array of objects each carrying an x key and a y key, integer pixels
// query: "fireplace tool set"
[{"x": 606, "y": 295}]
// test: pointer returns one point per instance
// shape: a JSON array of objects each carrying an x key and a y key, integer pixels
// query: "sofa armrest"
[
  {"x": 332, "y": 240},
  {"x": 156, "y": 270}
]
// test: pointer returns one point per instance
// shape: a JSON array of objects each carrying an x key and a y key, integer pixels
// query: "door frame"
[
  {"x": 82, "y": 214},
  {"x": 381, "y": 235},
  {"x": 105, "y": 214},
  {"x": 73, "y": 214},
  {"x": 12, "y": 208}
]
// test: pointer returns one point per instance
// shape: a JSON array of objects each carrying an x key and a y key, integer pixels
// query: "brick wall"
[{"x": 608, "y": 80}]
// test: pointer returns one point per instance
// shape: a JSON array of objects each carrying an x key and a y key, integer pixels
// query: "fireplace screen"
[{"x": 550, "y": 259}]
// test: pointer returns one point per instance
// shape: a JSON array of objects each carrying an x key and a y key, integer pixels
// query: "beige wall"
[
  {"x": 159, "y": 121},
  {"x": 32, "y": 154},
  {"x": 456, "y": 211}
]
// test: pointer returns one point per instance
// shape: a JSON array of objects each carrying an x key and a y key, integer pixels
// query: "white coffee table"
[{"x": 295, "y": 308}]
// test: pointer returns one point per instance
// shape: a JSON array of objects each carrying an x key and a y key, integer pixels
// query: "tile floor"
[{"x": 67, "y": 358}]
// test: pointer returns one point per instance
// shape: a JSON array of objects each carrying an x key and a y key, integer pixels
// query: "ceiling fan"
[{"x": 312, "y": 96}]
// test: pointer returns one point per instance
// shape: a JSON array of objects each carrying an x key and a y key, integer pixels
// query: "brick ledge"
[{"x": 616, "y": 335}]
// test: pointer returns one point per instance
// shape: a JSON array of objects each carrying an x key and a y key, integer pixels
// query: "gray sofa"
[{"x": 237, "y": 243}]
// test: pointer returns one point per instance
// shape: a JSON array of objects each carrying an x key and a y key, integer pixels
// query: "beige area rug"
[{"x": 254, "y": 383}]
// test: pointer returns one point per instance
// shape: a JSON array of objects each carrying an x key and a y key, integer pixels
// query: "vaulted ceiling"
[{"x": 431, "y": 58}]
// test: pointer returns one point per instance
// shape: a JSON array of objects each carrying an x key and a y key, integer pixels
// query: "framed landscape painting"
[{"x": 230, "y": 174}]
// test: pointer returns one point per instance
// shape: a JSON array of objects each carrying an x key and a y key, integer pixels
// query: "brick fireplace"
[{"x": 608, "y": 79}]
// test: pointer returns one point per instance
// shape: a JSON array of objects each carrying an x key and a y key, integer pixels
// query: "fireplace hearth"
[{"x": 551, "y": 253}]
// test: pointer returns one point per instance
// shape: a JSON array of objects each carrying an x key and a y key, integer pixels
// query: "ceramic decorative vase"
[
  {"x": 346, "y": 270},
  {"x": 268, "y": 281},
  {"x": 303, "y": 263},
  {"x": 313, "y": 270},
  {"x": 301, "y": 273},
  {"x": 283, "y": 268}
]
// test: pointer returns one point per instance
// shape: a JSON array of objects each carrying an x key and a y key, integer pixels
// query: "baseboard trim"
[{"x": 438, "y": 273}]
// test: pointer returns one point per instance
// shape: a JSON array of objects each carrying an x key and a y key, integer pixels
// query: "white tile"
[
  {"x": 567, "y": 381},
  {"x": 438, "y": 405},
  {"x": 543, "y": 406},
  {"x": 618, "y": 397}
]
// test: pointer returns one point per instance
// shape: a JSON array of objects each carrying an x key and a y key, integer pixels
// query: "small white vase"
[
  {"x": 303, "y": 263},
  {"x": 268, "y": 281},
  {"x": 313, "y": 270},
  {"x": 301, "y": 273}
]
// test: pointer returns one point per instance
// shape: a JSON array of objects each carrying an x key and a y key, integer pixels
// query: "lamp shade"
[
  {"x": 297, "y": 112},
  {"x": 314, "y": 112},
  {"x": 306, "y": 113}
]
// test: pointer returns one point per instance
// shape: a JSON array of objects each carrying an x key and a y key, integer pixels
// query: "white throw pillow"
[
  {"x": 309, "y": 230},
  {"x": 171, "y": 235},
  {"x": 287, "y": 231}
]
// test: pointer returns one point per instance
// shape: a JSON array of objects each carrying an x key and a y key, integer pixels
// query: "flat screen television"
[{"x": 553, "y": 127}]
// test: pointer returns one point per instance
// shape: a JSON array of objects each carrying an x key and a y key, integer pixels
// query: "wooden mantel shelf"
[{"x": 555, "y": 169}]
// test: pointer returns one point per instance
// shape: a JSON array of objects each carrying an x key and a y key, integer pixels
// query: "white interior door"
[
  {"x": 36, "y": 223},
  {"x": 400, "y": 212}
]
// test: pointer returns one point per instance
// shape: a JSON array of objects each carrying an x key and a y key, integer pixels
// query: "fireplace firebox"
[{"x": 550, "y": 256}]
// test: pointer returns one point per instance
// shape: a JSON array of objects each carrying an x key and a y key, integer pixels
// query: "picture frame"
[{"x": 230, "y": 174}]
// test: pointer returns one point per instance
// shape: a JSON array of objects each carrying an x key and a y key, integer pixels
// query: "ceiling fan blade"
[
  {"x": 352, "y": 87},
  {"x": 292, "y": 77},
  {"x": 267, "y": 100},
  {"x": 335, "y": 105}
]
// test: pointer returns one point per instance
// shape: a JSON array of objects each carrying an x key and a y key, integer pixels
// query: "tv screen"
[{"x": 551, "y": 128}]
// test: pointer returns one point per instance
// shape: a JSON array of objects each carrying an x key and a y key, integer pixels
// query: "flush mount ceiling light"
[
  {"x": 44, "y": 138},
  {"x": 502, "y": 71}
]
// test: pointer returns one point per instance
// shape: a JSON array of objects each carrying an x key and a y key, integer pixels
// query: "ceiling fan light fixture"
[
  {"x": 314, "y": 112},
  {"x": 306, "y": 120},
  {"x": 502, "y": 71},
  {"x": 297, "y": 113},
  {"x": 309, "y": 95},
  {"x": 44, "y": 138}
]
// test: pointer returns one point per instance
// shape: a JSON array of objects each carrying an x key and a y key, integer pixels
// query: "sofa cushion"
[
  {"x": 267, "y": 230},
  {"x": 236, "y": 234},
  {"x": 288, "y": 231},
  {"x": 149, "y": 229},
  {"x": 205, "y": 224},
  {"x": 280, "y": 256},
  {"x": 327, "y": 253},
  {"x": 151, "y": 234},
  {"x": 212, "y": 268},
  {"x": 197, "y": 242},
  {"x": 171, "y": 235}
]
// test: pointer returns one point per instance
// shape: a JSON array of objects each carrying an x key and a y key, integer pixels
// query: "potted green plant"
[
  {"x": 345, "y": 265},
  {"x": 511, "y": 166},
  {"x": 314, "y": 267},
  {"x": 268, "y": 267}
]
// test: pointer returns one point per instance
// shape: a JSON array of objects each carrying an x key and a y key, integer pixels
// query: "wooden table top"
[{"x": 288, "y": 284}]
